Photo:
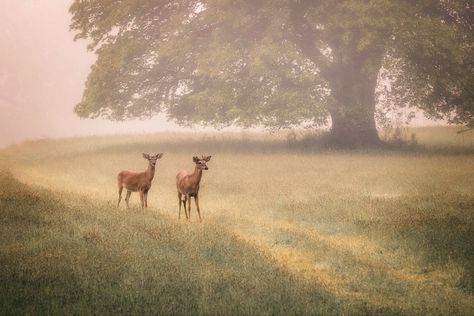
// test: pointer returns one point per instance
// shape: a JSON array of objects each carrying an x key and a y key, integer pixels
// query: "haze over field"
[
  {"x": 42, "y": 75},
  {"x": 336, "y": 232}
]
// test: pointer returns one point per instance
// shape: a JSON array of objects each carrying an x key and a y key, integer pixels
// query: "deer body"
[
  {"x": 188, "y": 186},
  {"x": 138, "y": 181}
]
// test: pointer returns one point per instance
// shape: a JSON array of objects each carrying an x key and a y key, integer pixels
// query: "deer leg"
[
  {"x": 179, "y": 200},
  {"x": 188, "y": 197},
  {"x": 196, "y": 200},
  {"x": 127, "y": 197},
  {"x": 120, "y": 196},
  {"x": 141, "y": 198},
  {"x": 185, "y": 203},
  {"x": 146, "y": 199},
  {"x": 185, "y": 207}
]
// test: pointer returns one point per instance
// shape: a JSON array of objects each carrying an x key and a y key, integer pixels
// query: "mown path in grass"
[
  {"x": 64, "y": 254},
  {"x": 352, "y": 268},
  {"x": 356, "y": 268},
  {"x": 376, "y": 232}
]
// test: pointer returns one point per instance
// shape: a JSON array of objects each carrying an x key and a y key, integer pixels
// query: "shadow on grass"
[
  {"x": 439, "y": 240},
  {"x": 59, "y": 258},
  {"x": 438, "y": 229}
]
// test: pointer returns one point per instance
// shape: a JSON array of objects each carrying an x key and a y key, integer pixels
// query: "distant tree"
[{"x": 278, "y": 63}]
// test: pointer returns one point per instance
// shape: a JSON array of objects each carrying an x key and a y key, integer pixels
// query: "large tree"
[{"x": 278, "y": 63}]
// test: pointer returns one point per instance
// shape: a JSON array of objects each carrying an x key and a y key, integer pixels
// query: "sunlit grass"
[{"x": 286, "y": 229}]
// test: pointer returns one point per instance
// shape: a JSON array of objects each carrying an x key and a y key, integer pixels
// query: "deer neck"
[
  {"x": 150, "y": 172},
  {"x": 196, "y": 176}
]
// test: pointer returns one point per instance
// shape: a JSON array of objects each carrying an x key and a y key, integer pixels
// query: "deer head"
[
  {"x": 152, "y": 158},
  {"x": 201, "y": 162}
]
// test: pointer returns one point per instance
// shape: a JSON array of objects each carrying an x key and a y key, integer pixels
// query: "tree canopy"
[{"x": 278, "y": 63}]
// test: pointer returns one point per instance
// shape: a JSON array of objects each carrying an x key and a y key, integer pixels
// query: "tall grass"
[
  {"x": 287, "y": 230},
  {"x": 90, "y": 258}
]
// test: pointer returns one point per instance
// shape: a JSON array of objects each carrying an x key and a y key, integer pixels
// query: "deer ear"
[
  {"x": 158, "y": 156},
  {"x": 146, "y": 156},
  {"x": 207, "y": 158},
  {"x": 195, "y": 159}
]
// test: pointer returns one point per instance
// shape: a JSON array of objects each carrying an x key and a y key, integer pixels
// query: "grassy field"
[{"x": 286, "y": 229}]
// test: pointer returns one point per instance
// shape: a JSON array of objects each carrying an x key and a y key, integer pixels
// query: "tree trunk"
[
  {"x": 353, "y": 129},
  {"x": 353, "y": 105}
]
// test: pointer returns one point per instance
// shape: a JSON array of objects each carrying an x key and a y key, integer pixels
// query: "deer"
[
  {"x": 188, "y": 186},
  {"x": 138, "y": 181}
]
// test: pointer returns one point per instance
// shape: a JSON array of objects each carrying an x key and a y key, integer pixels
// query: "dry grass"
[{"x": 286, "y": 230}]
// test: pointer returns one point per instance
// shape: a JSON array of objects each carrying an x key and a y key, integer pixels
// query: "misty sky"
[{"x": 42, "y": 75}]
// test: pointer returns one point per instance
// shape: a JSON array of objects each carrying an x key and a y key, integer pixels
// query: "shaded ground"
[{"x": 67, "y": 259}]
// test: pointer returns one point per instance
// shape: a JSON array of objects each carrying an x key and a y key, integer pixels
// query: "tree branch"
[{"x": 305, "y": 37}]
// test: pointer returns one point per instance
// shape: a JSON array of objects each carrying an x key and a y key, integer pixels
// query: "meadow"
[{"x": 288, "y": 228}]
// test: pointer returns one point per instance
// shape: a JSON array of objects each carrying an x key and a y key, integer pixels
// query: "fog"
[{"x": 42, "y": 75}]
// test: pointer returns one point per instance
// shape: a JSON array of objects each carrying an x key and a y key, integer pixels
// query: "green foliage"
[
  {"x": 276, "y": 63},
  {"x": 431, "y": 65}
]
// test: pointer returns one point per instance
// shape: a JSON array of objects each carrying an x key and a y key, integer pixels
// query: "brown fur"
[
  {"x": 138, "y": 181},
  {"x": 188, "y": 186}
]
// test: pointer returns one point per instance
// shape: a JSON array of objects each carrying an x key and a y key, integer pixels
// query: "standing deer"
[
  {"x": 188, "y": 185},
  {"x": 138, "y": 181}
]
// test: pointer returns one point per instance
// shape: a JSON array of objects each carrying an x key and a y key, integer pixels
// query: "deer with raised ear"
[
  {"x": 138, "y": 181},
  {"x": 188, "y": 186}
]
